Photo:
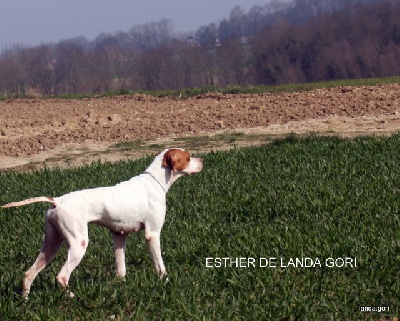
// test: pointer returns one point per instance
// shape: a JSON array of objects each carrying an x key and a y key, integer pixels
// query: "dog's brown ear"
[
  {"x": 168, "y": 161},
  {"x": 176, "y": 159}
]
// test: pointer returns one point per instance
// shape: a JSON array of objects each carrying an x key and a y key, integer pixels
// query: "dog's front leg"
[
  {"x": 119, "y": 241},
  {"x": 153, "y": 243}
]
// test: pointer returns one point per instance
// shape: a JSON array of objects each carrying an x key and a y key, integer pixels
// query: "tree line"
[{"x": 281, "y": 42}]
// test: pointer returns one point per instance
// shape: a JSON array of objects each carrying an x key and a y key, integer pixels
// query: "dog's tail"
[{"x": 31, "y": 200}]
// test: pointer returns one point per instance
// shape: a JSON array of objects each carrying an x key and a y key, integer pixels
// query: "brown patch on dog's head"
[{"x": 176, "y": 159}]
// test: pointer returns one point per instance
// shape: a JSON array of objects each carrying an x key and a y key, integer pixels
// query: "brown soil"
[{"x": 34, "y": 132}]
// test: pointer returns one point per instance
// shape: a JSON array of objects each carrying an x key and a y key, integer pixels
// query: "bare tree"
[
  {"x": 207, "y": 36},
  {"x": 11, "y": 75}
]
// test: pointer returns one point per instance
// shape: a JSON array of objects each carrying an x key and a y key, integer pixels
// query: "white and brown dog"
[{"x": 130, "y": 206}]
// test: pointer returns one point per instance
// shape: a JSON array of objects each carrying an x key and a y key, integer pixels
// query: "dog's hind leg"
[
  {"x": 77, "y": 245},
  {"x": 51, "y": 244},
  {"x": 76, "y": 251}
]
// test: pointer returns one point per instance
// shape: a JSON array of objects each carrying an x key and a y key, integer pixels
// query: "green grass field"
[{"x": 313, "y": 197}]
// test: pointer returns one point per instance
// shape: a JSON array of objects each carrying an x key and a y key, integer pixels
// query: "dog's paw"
[
  {"x": 25, "y": 295},
  {"x": 162, "y": 274},
  {"x": 70, "y": 293}
]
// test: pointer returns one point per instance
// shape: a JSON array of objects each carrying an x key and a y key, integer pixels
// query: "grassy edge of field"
[
  {"x": 233, "y": 89},
  {"x": 138, "y": 148}
]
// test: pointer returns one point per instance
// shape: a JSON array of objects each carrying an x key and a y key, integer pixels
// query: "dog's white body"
[{"x": 130, "y": 206}]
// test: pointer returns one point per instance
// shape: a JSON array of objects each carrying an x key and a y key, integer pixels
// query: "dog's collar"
[{"x": 153, "y": 177}]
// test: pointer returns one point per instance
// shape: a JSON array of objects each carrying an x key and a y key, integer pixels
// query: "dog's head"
[{"x": 180, "y": 162}]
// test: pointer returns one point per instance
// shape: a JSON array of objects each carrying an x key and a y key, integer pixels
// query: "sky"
[{"x": 33, "y": 22}]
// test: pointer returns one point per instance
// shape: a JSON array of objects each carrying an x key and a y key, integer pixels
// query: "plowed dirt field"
[{"x": 60, "y": 132}]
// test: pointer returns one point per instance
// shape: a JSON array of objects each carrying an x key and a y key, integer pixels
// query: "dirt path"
[{"x": 61, "y": 132}]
